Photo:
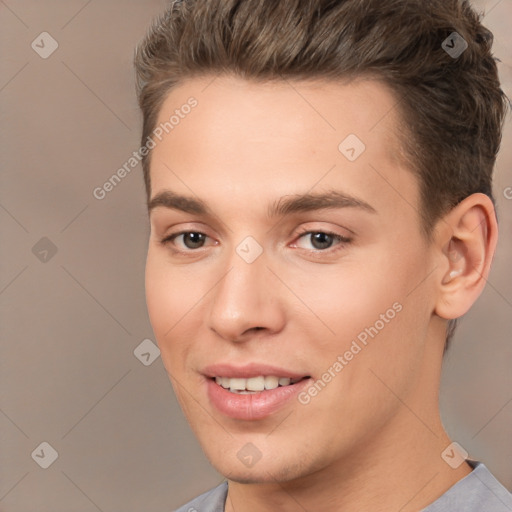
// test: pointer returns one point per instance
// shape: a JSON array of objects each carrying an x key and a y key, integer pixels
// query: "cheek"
[
  {"x": 372, "y": 352},
  {"x": 172, "y": 296},
  {"x": 159, "y": 301},
  {"x": 349, "y": 299},
  {"x": 372, "y": 312}
]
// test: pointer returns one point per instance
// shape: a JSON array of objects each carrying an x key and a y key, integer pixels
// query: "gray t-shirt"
[{"x": 477, "y": 492}]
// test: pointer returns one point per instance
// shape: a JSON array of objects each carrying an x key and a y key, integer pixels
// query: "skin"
[{"x": 372, "y": 438}]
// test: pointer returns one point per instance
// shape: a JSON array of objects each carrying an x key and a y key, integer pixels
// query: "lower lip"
[{"x": 254, "y": 406}]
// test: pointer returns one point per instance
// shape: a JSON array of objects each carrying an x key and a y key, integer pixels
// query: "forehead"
[
  {"x": 277, "y": 136},
  {"x": 306, "y": 110}
]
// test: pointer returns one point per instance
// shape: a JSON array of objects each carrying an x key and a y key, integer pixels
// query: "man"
[{"x": 318, "y": 177}]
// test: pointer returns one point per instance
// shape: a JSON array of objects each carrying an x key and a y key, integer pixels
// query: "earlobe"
[{"x": 467, "y": 238}]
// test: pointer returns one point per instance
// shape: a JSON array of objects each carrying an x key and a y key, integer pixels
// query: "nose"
[{"x": 246, "y": 300}]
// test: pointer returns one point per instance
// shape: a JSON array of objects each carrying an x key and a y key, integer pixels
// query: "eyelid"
[
  {"x": 183, "y": 227},
  {"x": 306, "y": 231},
  {"x": 170, "y": 237}
]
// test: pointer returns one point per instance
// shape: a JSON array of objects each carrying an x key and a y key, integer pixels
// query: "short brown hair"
[{"x": 452, "y": 106}]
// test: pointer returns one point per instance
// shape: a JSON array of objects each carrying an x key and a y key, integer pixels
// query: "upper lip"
[{"x": 249, "y": 370}]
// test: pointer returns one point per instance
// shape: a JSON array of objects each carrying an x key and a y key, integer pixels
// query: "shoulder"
[
  {"x": 211, "y": 501},
  {"x": 478, "y": 491}
]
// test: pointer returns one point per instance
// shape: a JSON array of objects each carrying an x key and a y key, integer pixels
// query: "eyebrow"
[{"x": 286, "y": 205}]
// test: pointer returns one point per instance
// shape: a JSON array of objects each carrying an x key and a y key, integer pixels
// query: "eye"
[
  {"x": 189, "y": 239},
  {"x": 322, "y": 240}
]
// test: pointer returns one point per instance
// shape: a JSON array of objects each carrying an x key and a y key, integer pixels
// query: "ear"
[{"x": 465, "y": 243}]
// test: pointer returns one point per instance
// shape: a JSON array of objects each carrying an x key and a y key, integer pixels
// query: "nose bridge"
[{"x": 244, "y": 298}]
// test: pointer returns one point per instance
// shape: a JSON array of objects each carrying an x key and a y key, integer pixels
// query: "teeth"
[
  {"x": 271, "y": 382},
  {"x": 237, "y": 384},
  {"x": 254, "y": 384}
]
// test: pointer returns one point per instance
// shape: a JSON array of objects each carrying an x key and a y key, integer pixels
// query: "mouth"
[
  {"x": 257, "y": 384},
  {"x": 253, "y": 391}
]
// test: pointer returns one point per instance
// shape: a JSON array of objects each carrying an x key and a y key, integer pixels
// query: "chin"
[
  {"x": 245, "y": 479},
  {"x": 263, "y": 471}
]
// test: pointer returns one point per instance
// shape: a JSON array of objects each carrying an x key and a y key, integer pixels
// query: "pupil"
[
  {"x": 321, "y": 240},
  {"x": 193, "y": 240}
]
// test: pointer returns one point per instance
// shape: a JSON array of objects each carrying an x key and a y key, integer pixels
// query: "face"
[{"x": 286, "y": 250}]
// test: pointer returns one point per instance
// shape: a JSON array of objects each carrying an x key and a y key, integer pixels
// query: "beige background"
[{"x": 70, "y": 325}]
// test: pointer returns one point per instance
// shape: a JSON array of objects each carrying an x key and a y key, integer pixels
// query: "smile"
[{"x": 254, "y": 384}]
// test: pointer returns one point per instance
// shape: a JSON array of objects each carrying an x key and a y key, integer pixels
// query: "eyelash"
[{"x": 342, "y": 241}]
